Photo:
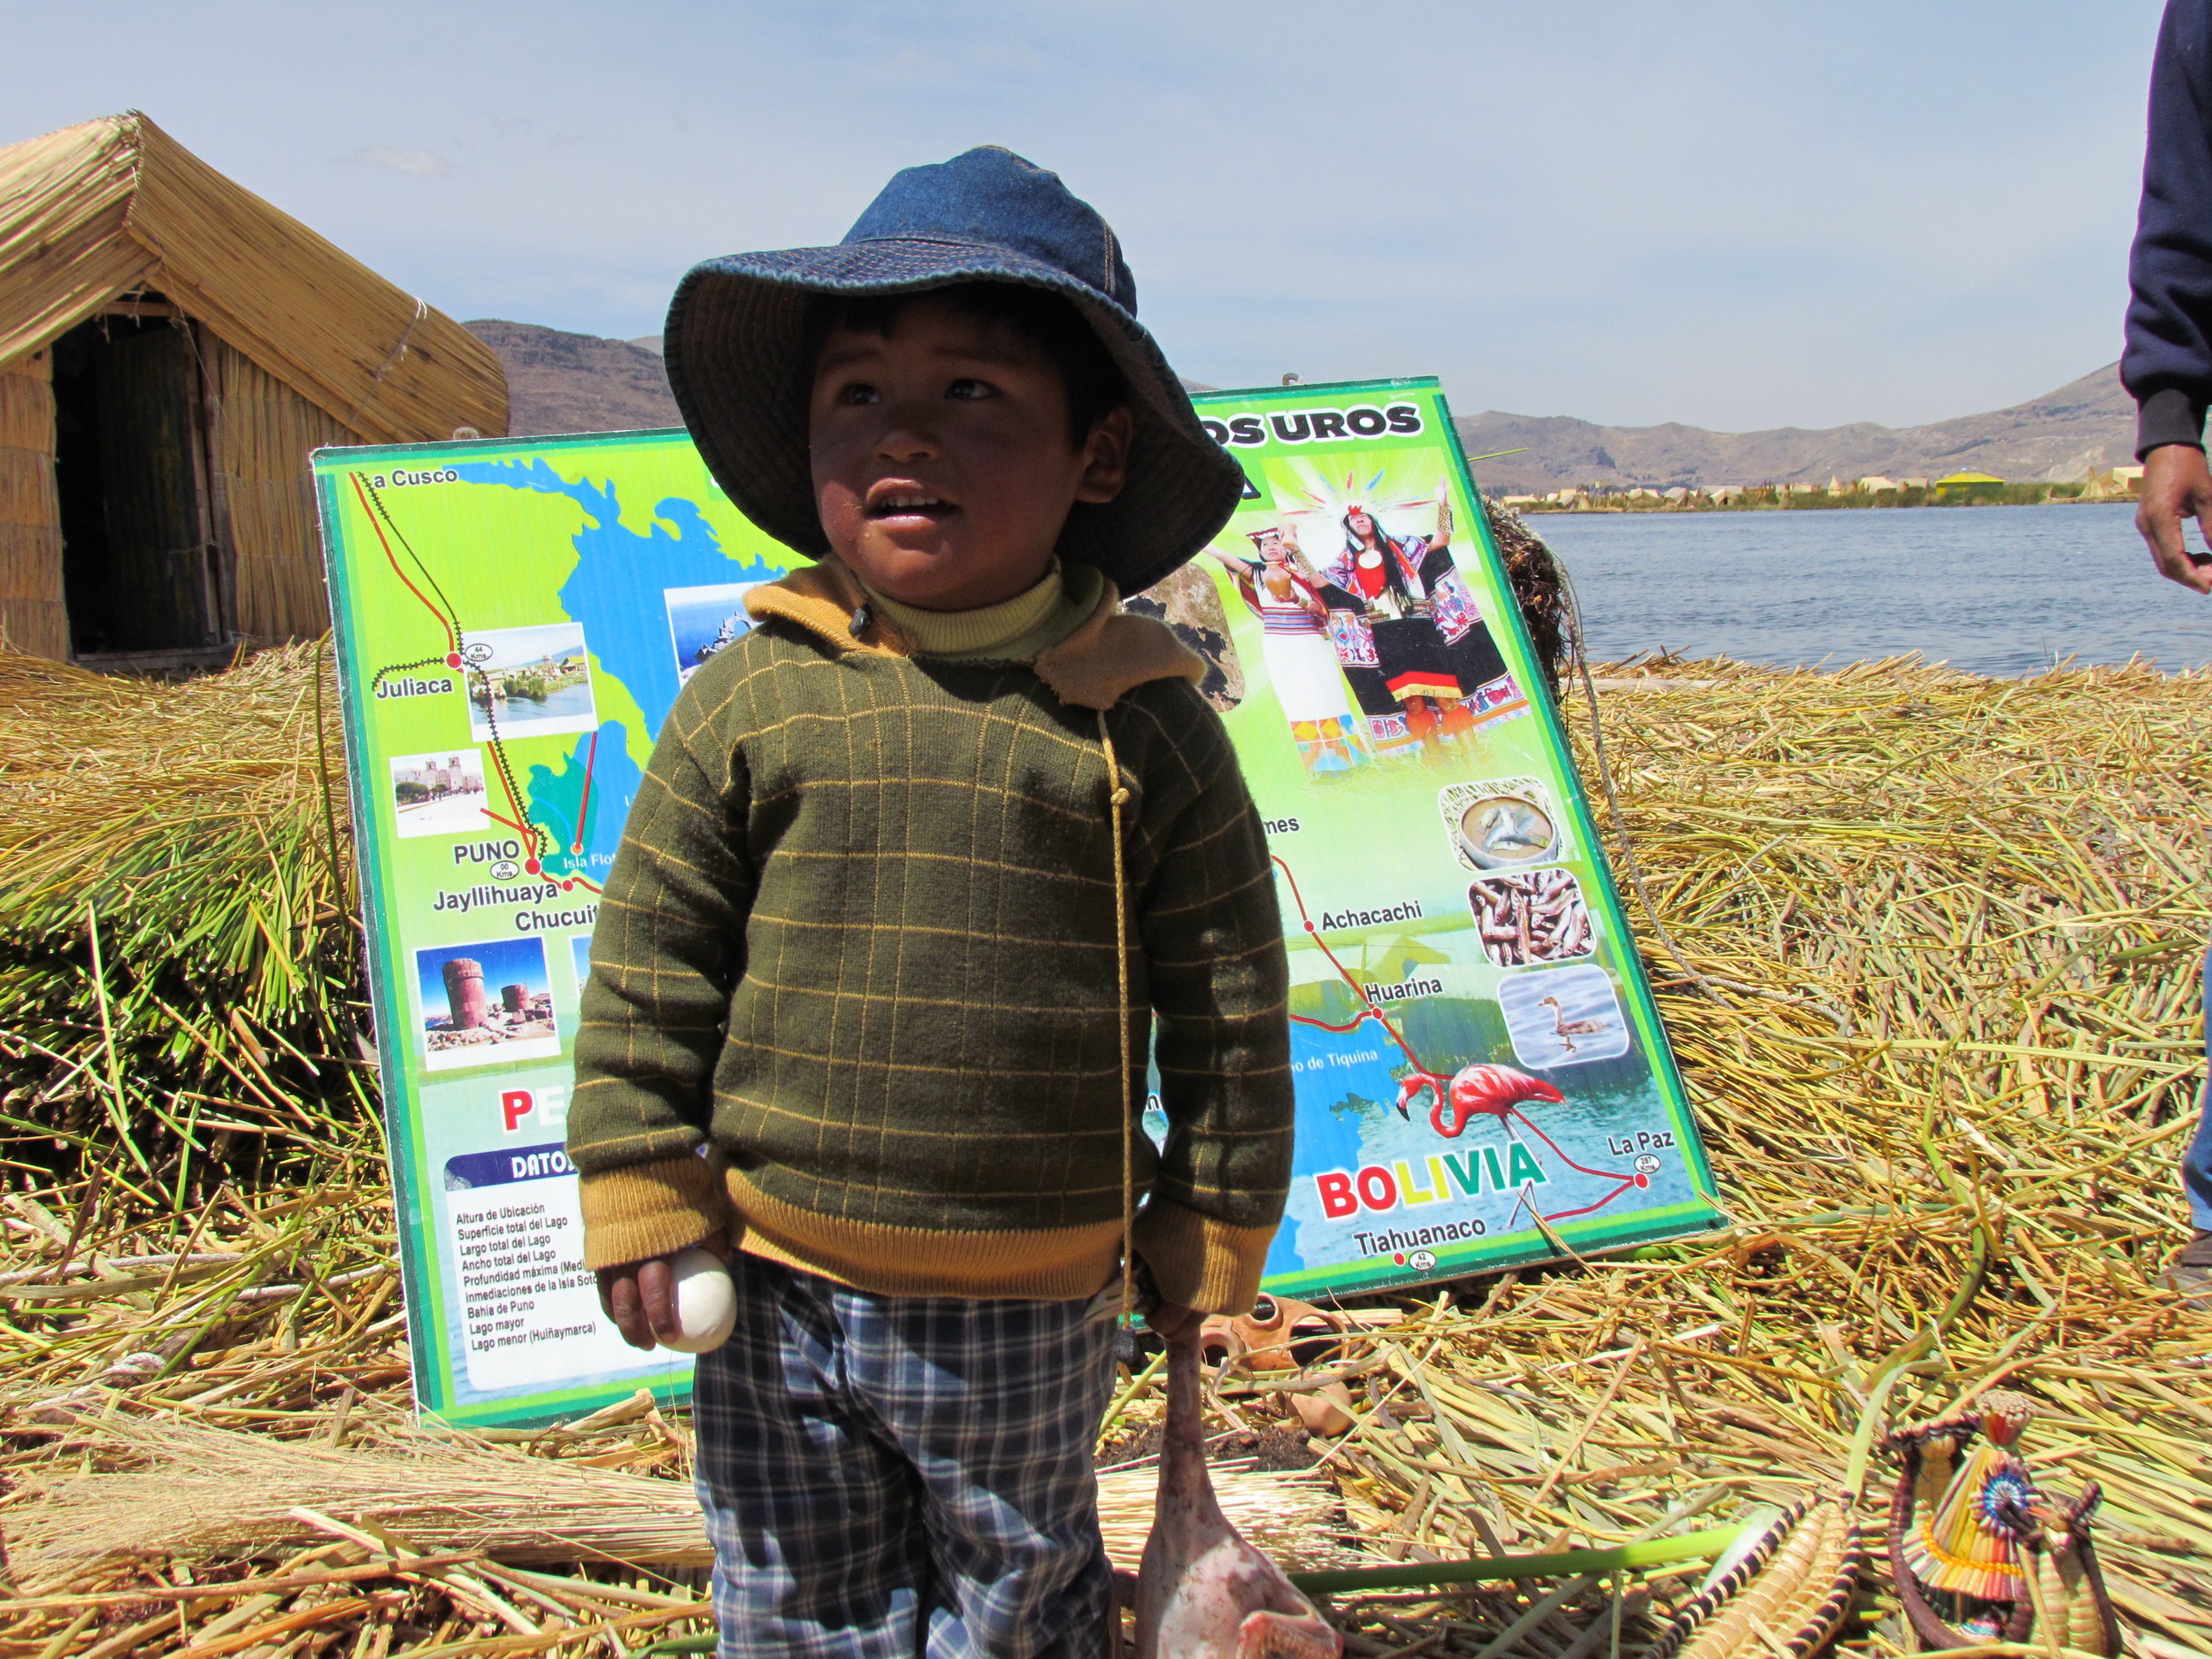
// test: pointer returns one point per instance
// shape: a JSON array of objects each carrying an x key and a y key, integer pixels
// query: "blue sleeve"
[{"x": 2167, "y": 367}]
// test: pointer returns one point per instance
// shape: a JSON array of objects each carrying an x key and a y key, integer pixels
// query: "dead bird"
[{"x": 1203, "y": 1592}]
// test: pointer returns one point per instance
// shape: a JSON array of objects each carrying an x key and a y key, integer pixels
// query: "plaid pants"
[{"x": 900, "y": 1476}]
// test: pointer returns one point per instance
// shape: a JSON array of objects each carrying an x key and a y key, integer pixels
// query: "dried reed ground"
[{"x": 1949, "y": 1153}]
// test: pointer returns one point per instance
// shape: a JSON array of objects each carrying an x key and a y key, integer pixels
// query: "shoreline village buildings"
[{"x": 172, "y": 348}]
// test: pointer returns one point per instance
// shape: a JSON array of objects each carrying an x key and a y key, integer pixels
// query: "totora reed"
[{"x": 1927, "y": 946}]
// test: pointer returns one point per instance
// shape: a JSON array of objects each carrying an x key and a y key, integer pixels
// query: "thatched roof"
[{"x": 115, "y": 206}]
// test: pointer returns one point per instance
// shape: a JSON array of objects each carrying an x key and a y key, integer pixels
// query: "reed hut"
[{"x": 172, "y": 347}]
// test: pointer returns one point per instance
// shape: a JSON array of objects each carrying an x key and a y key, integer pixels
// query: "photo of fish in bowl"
[{"x": 1509, "y": 823}]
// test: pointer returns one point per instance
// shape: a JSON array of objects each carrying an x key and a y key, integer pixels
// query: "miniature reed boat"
[
  {"x": 1793, "y": 1586},
  {"x": 1983, "y": 1538}
]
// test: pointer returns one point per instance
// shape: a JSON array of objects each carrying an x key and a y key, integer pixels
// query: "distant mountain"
[
  {"x": 2081, "y": 429},
  {"x": 559, "y": 382},
  {"x": 562, "y": 383}
]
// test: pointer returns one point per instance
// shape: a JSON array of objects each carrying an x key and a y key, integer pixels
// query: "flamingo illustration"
[
  {"x": 1570, "y": 1029},
  {"x": 1475, "y": 1091}
]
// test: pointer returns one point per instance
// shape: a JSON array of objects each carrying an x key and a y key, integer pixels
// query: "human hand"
[
  {"x": 2176, "y": 486},
  {"x": 640, "y": 1296}
]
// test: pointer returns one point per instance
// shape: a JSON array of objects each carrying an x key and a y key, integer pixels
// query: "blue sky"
[{"x": 1728, "y": 213}]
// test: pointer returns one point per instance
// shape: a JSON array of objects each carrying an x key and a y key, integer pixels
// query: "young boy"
[{"x": 917, "y": 865}]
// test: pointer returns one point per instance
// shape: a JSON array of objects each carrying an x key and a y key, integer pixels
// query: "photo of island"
[
  {"x": 439, "y": 794},
  {"x": 485, "y": 1004},
  {"x": 704, "y": 621},
  {"x": 529, "y": 682}
]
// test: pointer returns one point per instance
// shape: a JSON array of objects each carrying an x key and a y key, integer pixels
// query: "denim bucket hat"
[{"x": 736, "y": 354}]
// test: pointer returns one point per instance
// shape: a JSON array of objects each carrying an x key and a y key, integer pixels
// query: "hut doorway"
[{"x": 141, "y": 570}]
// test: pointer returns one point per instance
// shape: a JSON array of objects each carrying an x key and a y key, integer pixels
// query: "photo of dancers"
[
  {"x": 1381, "y": 651},
  {"x": 1417, "y": 653},
  {"x": 1301, "y": 664}
]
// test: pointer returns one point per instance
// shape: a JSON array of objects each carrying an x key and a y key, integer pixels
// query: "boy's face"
[{"x": 942, "y": 466}]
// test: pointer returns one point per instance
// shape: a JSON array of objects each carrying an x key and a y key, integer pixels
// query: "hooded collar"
[{"x": 1109, "y": 652}]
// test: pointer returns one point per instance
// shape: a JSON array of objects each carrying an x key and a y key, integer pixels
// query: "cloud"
[{"x": 416, "y": 164}]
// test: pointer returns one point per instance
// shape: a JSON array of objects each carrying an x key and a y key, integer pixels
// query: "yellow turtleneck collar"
[{"x": 1013, "y": 630}]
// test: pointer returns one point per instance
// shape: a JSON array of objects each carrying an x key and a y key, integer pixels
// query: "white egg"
[{"x": 706, "y": 1302}]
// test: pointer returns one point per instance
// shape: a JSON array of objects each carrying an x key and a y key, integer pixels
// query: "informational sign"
[
  {"x": 1474, "y": 1048},
  {"x": 1481, "y": 1075},
  {"x": 513, "y": 622}
]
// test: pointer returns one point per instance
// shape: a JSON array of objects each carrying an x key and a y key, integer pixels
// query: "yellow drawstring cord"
[{"x": 1118, "y": 797}]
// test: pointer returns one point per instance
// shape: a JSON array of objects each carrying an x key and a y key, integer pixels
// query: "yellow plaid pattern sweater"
[{"x": 853, "y": 987}]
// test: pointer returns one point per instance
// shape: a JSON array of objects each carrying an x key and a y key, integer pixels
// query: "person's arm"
[
  {"x": 1214, "y": 957},
  {"x": 2167, "y": 366},
  {"x": 1240, "y": 573},
  {"x": 666, "y": 951},
  {"x": 1338, "y": 598}
]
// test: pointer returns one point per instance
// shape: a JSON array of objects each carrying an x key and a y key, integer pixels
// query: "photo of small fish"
[
  {"x": 1505, "y": 824},
  {"x": 1538, "y": 916},
  {"x": 1506, "y": 828}
]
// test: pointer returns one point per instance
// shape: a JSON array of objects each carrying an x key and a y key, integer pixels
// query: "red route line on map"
[
  {"x": 526, "y": 828},
  {"x": 453, "y": 637},
  {"x": 1626, "y": 1181},
  {"x": 1380, "y": 1019},
  {"x": 591, "y": 756},
  {"x": 532, "y": 830},
  {"x": 1367, "y": 1001},
  {"x": 1323, "y": 1024}
]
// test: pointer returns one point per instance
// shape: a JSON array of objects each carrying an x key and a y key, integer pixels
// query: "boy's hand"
[
  {"x": 2176, "y": 486},
  {"x": 640, "y": 1296},
  {"x": 1171, "y": 1323}
]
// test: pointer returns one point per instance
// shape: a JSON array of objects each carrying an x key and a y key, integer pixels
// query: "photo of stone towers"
[{"x": 486, "y": 1002}]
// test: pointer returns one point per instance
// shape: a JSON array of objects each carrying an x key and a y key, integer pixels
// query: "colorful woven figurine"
[
  {"x": 2064, "y": 1583},
  {"x": 1961, "y": 1545},
  {"x": 1982, "y": 1540},
  {"x": 1787, "y": 1594}
]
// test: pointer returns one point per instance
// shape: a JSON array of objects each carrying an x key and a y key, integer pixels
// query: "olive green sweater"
[{"x": 854, "y": 983}]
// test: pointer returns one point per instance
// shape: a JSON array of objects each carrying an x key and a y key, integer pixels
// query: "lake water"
[{"x": 1996, "y": 590}]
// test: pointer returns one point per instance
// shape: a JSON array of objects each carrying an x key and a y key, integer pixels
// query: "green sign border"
[
  {"x": 426, "y": 1307},
  {"x": 1509, "y": 629}
]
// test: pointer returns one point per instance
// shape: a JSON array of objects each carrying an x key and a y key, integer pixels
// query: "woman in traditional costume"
[
  {"x": 1402, "y": 598},
  {"x": 1301, "y": 664}
]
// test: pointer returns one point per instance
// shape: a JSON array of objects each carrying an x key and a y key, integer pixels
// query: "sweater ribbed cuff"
[
  {"x": 642, "y": 1210},
  {"x": 2171, "y": 416},
  {"x": 1198, "y": 1261}
]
